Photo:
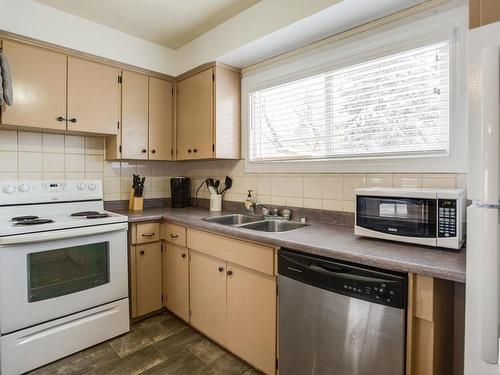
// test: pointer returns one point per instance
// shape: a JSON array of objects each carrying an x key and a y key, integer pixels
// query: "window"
[{"x": 395, "y": 105}]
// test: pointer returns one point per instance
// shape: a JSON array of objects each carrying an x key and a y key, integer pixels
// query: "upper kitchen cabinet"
[
  {"x": 55, "y": 92},
  {"x": 147, "y": 118},
  {"x": 483, "y": 12},
  {"x": 160, "y": 119},
  {"x": 134, "y": 115},
  {"x": 208, "y": 114},
  {"x": 93, "y": 97},
  {"x": 39, "y": 87}
]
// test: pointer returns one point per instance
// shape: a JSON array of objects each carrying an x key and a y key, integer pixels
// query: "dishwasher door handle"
[{"x": 344, "y": 275}]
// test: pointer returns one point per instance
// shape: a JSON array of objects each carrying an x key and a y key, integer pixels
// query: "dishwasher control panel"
[{"x": 350, "y": 279}]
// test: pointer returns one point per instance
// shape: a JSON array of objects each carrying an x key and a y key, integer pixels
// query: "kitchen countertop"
[{"x": 327, "y": 240}]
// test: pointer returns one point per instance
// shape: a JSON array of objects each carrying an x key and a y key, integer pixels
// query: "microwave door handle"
[{"x": 490, "y": 304}]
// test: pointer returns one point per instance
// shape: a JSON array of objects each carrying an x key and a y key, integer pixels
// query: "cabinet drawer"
[
  {"x": 247, "y": 254},
  {"x": 146, "y": 232},
  {"x": 174, "y": 233}
]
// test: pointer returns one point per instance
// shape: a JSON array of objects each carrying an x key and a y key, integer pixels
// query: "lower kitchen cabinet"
[
  {"x": 175, "y": 277},
  {"x": 148, "y": 278},
  {"x": 207, "y": 276},
  {"x": 251, "y": 312}
]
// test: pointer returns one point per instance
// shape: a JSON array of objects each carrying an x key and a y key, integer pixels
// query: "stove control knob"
[
  {"x": 23, "y": 188},
  {"x": 9, "y": 189},
  {"x": 92, "y": 186},
  {"x": 81, "y": 186}
]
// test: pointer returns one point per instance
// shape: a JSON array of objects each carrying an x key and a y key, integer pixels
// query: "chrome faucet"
[{"x": 270, "y": 211}]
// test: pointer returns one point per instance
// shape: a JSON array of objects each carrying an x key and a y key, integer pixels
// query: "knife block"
[{"x": 135, "y": 203}]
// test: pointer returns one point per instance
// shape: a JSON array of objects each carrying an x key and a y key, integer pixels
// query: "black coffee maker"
[{"x": 180, "y": 192}]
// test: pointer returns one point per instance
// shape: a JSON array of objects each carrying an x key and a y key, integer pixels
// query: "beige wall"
[
  {"x": 36, "y": 156},
  {"x": 320, "y": 191}
]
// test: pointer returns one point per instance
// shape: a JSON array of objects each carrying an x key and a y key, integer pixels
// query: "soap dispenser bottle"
[{"x": 249, "y": 203}]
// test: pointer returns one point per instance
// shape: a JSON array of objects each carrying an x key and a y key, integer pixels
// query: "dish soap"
[{"x": 249, "y": 203}]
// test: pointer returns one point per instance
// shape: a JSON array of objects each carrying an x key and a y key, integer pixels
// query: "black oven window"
[{"x": 58, "y": 272}]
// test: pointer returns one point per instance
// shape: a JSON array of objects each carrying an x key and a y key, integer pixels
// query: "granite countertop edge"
[{"x": 320, "y": 239}]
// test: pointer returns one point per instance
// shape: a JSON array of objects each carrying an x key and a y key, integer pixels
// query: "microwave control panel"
[{"x": 447, "y": 218}]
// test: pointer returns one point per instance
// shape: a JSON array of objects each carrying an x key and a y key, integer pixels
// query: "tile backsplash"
[
  {"x": 318, "y": 191},
  {"x": 36, "y": 156}
]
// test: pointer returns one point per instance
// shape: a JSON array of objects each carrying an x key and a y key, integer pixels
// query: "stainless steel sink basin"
[
  {"x": 233, "y": 219},
  {"x": 273, "y": 225}
]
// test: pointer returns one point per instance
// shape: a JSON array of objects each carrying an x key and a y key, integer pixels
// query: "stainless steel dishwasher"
[{"x": 339, "y": 318}]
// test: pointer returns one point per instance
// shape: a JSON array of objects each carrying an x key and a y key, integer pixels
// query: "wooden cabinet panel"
[
  {"x": 184, "y": 118},
  {"x": 160, "y": 119},
  {"x": 148, "y": 268},
  {"x": 248, "y": 254},
  {"x": 134, "y": 115},
  {"x": 251, "y": 316},
  {"x": 483, "y": 12},
  {"x": 147, "y": 232},
  {"x": 176, "y": 280},
  {"x": 227, "y": 113},
  {"x": 39, "y": 87},
  {"x": 93, "y": 97},
  {"x": 203, "y": 114},
  {"x": 174, "y": 233},
  {"x": 207, "y": 299}
]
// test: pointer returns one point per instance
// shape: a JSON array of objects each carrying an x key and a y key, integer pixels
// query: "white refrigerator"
[{"x": 483, "y": 246}]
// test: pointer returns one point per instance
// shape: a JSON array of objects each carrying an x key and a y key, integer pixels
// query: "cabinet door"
[
  {"x": 93, "y": 97},
  {"x": 148, "y": 278},
  {"x": 203, "y": 114},
  {"x": 251, "y": 316},
  {"x": 160, "y": 119},
  {"x": 184, "y": 119},
  {"x": 134, "y": 115},
  {"x": 207, "y": 281},
  {"x": 39, "y": 87},
  {"x": 176, "y": 280}
]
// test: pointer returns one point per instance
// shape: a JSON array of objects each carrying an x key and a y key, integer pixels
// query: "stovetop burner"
[
  {"x": 90, "y": 214},
  {"x": 23, "y": 218},
  {"x": 35, "y": 221},
  {"x": 97, "y": 216},
  {"x": 84, "y": 213}
]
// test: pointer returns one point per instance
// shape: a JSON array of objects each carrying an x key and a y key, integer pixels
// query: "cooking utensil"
[
  {"x": 228, "y": 183},
  {"x": 216, "y": 185}
]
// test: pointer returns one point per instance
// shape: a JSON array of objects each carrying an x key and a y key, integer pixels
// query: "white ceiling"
[{"x": 171, "y": 23}]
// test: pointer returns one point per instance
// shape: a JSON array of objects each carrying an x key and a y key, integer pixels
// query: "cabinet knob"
[
  {"x": 174, "y": 235},
  {"x": 142, "y": 252},
  {"x": 229, "y": 273},
  {"x": 148, "y": 234},
  {"x": 60, "y": 118},
  {"x": 144, "y": 150},
  {"x": 183, "y": 255},
  {"x": 153, "y": 151},
  {"x": 72, "y": 120},
  {"x": 195, "y": 150},
  {"x": 189, "y": 150},
  {"x": 221, "y": 269}
]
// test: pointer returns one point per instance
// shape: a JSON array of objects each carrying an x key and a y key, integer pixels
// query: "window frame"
[{"x": 399, "y": 36}]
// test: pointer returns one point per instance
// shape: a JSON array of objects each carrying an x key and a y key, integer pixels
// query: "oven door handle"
[{"x": 61, "y": 234}]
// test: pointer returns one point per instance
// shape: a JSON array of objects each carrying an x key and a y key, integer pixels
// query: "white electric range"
[{"x": 63, "y": 272}]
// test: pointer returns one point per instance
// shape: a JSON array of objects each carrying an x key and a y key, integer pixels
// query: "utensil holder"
[
  {"x": 135, "y": 203},
  {"x": 216, "y": 202}
]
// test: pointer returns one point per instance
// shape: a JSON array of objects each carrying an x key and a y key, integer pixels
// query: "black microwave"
[{"x": 433, "y": 217}]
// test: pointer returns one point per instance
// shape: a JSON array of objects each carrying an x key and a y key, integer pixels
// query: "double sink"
[{"x": 259, "y": 223}]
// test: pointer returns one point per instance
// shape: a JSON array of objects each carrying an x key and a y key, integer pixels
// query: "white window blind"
[{"x": 394, "y": 105}]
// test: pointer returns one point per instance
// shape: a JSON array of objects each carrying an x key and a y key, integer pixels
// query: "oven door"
[
  {"x": 41, "y": 281},
  {"x": 406, "y": 217}
]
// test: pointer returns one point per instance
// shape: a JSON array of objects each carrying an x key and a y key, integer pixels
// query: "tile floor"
[{"x": 162, "y": 344}]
